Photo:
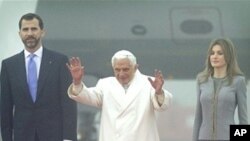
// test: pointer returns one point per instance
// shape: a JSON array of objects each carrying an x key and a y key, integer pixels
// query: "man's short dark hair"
[{"x": 31, "y": 16}]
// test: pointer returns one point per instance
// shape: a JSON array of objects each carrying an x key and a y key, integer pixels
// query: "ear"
[
  {"x": 43, "y": 33},
  {"x": 19, "y": 33},
  {"x": 136, "y": 66}
]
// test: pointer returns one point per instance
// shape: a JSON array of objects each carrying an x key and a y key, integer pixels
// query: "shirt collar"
[{"x": 37, "y": 53}]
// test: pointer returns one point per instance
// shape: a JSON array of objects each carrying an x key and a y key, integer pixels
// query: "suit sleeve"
[
  {"x": 69, "y": 107},
  {"x": 242, "y": 101},
  {"x": 167, "y": 100},
  {"x": 6, "y": 105},
  {"x": 198, "y": 115},
  {"x": 90, "y": 96}
]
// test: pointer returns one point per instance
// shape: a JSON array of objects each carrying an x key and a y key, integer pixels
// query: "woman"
[{"x": 221, "y": 88}]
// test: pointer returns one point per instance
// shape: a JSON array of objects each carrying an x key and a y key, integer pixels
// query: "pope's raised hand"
[
  {"x": 158, "y": 82},
  {"x": 76, "y": 69}
]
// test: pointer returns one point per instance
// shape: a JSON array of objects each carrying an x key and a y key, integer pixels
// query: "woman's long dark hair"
[{"x": 230, "y": 58}]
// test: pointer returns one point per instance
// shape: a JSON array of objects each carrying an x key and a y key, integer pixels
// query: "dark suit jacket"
[{"x": 52, "y": 116}]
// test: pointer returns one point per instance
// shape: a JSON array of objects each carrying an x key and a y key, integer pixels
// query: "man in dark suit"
[{"x": 49, "y": 115}]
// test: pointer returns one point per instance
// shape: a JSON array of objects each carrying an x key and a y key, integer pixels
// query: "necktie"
[{"x": 32, "y": 77}]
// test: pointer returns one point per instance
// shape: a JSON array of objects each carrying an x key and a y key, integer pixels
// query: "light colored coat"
[
  {"x": 127, "y": 116},
  {"x": 217, "y": 109}
]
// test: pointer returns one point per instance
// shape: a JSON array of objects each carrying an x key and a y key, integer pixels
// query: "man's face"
[
  {"x": 31, "y": 34},
  {"x": 124, "y": 70}
]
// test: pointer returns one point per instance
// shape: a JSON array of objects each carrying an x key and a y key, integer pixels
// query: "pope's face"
[{"x": 124, "y": 70}]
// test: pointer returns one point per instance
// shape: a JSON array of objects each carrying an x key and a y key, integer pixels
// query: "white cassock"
[{"x": 129, "y": 116}]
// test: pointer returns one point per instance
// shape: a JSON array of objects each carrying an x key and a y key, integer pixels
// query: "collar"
[{"x": 37, "y": 53}]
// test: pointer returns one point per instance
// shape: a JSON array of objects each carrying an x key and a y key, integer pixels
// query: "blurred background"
[{"x": 171, "y": 35}]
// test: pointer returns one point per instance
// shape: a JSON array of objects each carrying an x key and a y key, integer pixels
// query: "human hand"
[
  {"x": 76, "y": 69},
  {"x": 158, "y": 82}
]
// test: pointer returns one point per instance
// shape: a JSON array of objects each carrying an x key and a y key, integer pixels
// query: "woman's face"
[{"x": 217, "y": 58}]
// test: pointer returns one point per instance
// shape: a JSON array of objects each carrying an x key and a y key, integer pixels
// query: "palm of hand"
[
  {"x": 158, "y": 82},
  {"x": 76, "y": 69},
  {"x": 77, "y": 72}
]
